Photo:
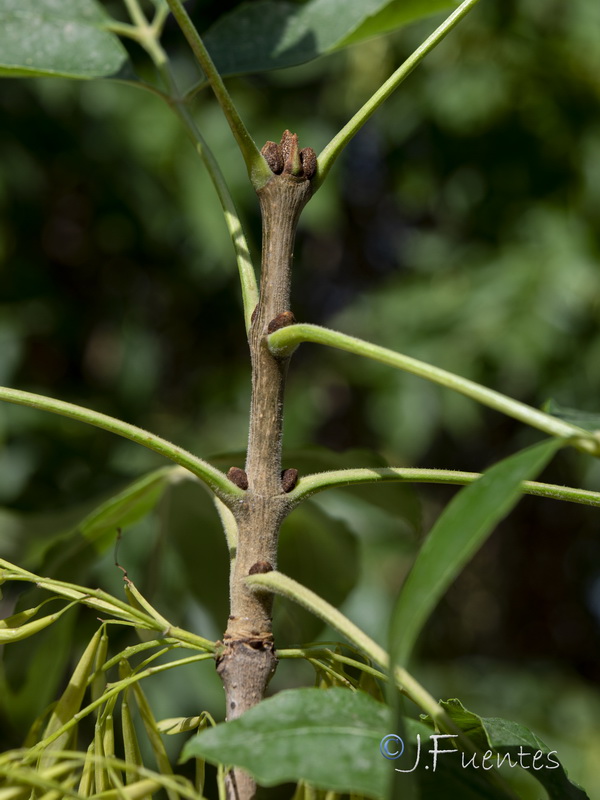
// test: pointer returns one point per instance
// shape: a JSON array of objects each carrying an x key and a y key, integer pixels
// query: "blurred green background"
[{"x": 461, "y": 226}]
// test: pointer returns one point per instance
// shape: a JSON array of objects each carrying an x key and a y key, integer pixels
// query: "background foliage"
[{"x": 461, "y": 227}]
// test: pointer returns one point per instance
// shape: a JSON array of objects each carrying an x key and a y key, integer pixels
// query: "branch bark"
[{"x": 247, "y": 657}]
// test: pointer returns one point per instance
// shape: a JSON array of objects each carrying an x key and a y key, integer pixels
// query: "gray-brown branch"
[{"x": 247, "y": 657}]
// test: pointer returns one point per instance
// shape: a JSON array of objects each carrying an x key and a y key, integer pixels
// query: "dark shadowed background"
[{"x": 462, "y": 227}]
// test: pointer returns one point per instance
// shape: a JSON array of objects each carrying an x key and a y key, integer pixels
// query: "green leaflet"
[
  {"x": 267, "y": 35},
  {"x": 61, "y": 38},
  {"x": 458, "y": 533}
]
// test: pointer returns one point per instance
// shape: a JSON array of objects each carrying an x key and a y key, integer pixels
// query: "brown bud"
[
  {"x": 287, "y": 158},
  {"x": 289, "y": 478},
  {"x": 281, "y": 321},
  {"x": 238, "y": 476},
  {"x": 259, "y": 568},
  {"x": 271, "y": 152},
  {"x": 308, "y": 157}
]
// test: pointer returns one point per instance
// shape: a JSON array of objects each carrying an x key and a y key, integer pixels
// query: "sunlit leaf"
[
  {"x": 394, "y": 15},
  {"x": 267, "y": 35},
  {"x": 64, "y": 38},
  {"x": 458, "y": 533}
]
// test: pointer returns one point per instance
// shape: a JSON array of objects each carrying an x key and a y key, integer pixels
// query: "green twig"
[
  {"x": 311, "y": 484},
  {"x": 33, "y": 780},
  {"x": 329, "y": 154},
  {"x": 135, "y": 649},
  {"x": 285, "y": 340},
  {"x": 213, "y": 477},
  {"x": 256, "y": 165},
  {"x": 146, "y": 34}
]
